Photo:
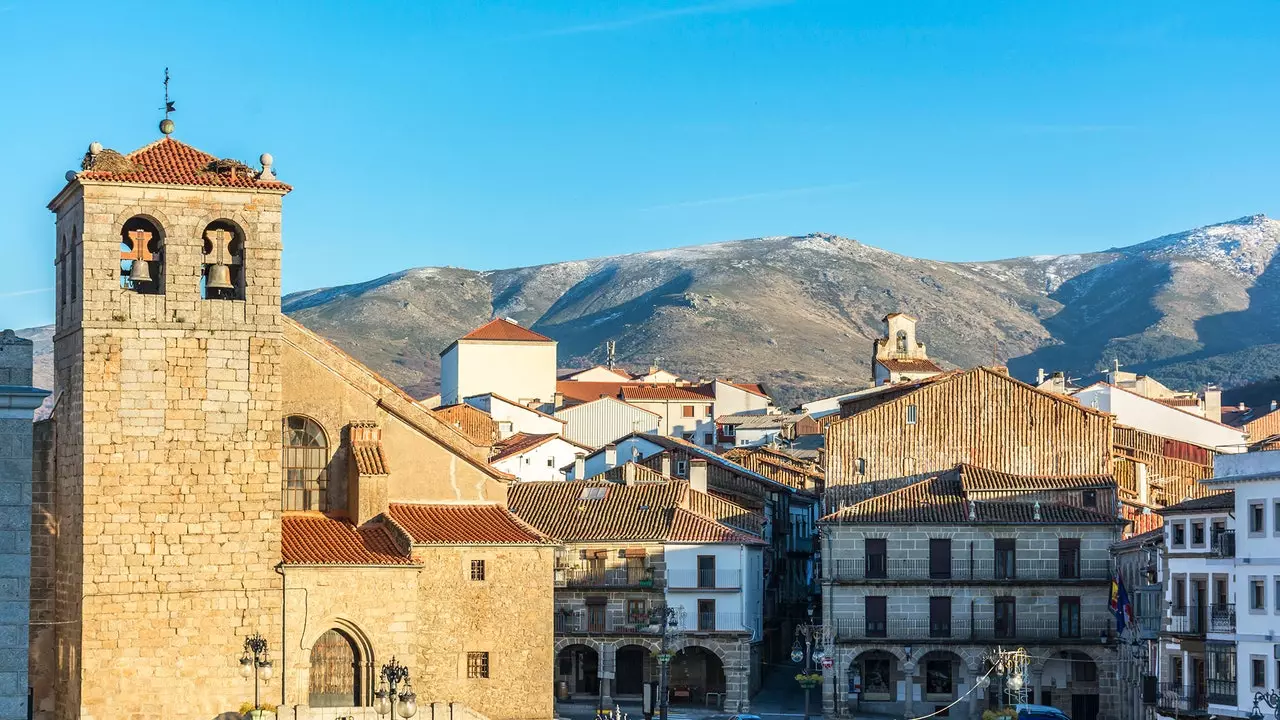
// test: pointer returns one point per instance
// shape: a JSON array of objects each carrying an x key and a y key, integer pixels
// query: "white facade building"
[
  {"x": 535, "y": 457},
  {"x": 1157, "y": 418},
  {"x": 512, "y": 417},
  {"x": 499, "y": 357},
  {"x": 717, "y": 586}
]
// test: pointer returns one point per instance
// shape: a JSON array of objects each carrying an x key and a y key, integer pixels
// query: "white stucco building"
[
  {"x": 535, "y": 457},
  {"x": 499, "y": 357},
  {"x": 1151, "y": 415},
  {"x": 513, "y": 417}
]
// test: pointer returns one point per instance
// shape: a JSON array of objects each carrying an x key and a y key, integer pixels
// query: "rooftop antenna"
[
  {"x": 611, "y": 352},
  {"x": 166, "y": 125}
]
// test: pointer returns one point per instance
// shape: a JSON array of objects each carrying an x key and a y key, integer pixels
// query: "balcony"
[
  {"x": 800, "y": 545},
  {"x": 585, "y": 622},
  {"x": 1222, "y": 692},
  {"x": 964, "y": 570},
  {"x": 1177, "y": 698},
  {"x": 962, "y": 629},
  {"x": 607, "y": 578},
  {"x": 1223, "y": 544},
  {"x": 1196, "y": 620},
  {"x": 704, "y": 579}
]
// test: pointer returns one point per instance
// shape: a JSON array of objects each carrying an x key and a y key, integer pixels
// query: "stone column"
[
  {"x": 737, "y": 681},
  {"x": 18, "y": 403},
  {"x": 909, "y": 677},
  {"x": 1037, "y": 683}
]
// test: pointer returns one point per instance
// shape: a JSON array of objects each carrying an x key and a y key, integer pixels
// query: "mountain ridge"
[{"x": 799, "y": 312}]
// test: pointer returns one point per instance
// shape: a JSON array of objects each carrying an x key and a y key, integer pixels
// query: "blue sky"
[{"x": 491, "y": 134}]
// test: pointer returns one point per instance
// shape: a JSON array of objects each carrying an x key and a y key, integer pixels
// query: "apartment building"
[
  {"x": 649, "y": 566},
  {"x": 920, "y": 583}
]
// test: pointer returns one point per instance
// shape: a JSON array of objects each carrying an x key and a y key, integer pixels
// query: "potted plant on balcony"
[{"x": 647, "y": 580}]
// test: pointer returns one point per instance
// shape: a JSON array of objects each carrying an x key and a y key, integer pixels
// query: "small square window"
[
  {"x": 912, "y": 414},
  {"x": 477, "y": 570},
  {"x": 1090, "y": 498},
  {"x": 708, "y": 438},
  {"x": 1197, "y": 532},
  {"x": 1257, "y": 521},
  {"x": 682, "y": 468},
  {"x": 687, "y": 411},
  {"x": 1275, "y": 518},
  {"x": 1258, "y": 674},
  {"x": 1257, "y": 595},
  {"x": 862, "y": 466},
  {"x": 707, "y": 409},
  {"x": 477, "y": 665},
  {"x": 551, "y": 462},
  {"x": 1179, "y": 534}
]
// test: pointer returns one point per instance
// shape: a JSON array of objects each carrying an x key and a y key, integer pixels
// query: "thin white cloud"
[
  {"x": 714, "y": 8},
  {"x": 17, "y": 293},
  {"x": 767, "y": 194}
]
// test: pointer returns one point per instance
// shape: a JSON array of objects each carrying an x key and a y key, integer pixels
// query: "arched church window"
[
  {"x": 222, "y": 274},
  {"x": 902, "y": 341},
  {"x": 335, "y": 672},
  {"x": 142, "y": 257},
  {"x": 306, "y": 459}
]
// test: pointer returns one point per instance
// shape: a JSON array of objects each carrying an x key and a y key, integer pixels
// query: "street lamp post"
[
  {"x": 803, "y": 651},
  {"x": 255, "y": 663},
  {"x": 669, "y": 617},
  {"x": 391, "y": 698}
]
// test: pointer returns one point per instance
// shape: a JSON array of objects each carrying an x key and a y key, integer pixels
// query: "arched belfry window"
[
  {"x": 222, "y": 271},
  {"x": 902, "y": 341},
  {"x": 306, "y": 457},
  {"x": 142, "y": 257},
  {"x": 335, "y": 672}
]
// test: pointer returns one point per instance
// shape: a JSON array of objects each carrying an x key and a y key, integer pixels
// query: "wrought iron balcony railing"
[
  {"x": 607, "y": 578},
  {"x": 1223, "y": 544},
  {"x": 1177, "y": 697},
  {"x": 704, "y": 579},
  {"x": 1199, "y": 619},
  {"x": 963, "y": 629},
  {"x": 1221, "y": 692},
  {"x": 586, "y": 622}
]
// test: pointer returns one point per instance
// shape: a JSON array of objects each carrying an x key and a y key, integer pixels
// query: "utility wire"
[{"x": 955, "y": 702}]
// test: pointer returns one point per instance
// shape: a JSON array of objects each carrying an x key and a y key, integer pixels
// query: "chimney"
[
  {"x": 1242, "y": 407},
  {"x": 1213, "y": 403},
  {"x": 1273, "y": 405},
  {"x": 629, "y": 473},
  {"x": 610, "y": 456},
  {"x": 698, "y": 474},
  {"x": 557, "y": 400},
  {"x": 367, "y": 473},
  {"x": 1039, "y": 376},
  {"x": 579, "y": 467},
  {"x": 666, "y": 464}
]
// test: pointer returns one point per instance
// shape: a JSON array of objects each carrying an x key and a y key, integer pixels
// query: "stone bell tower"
[{"x": 167, "y": 440}]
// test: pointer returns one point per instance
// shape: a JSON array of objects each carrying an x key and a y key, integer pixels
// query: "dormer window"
[
  {"x": 222, "y": 277},
  {"x": 142, "y": 257}
]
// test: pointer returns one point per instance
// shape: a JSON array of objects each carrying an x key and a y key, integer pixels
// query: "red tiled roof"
[
  {"x": 518, "y": 443},
  {"x": 587, "y": 390},
  {"x": 322, "y": 540},
  {"x": 1179, "y": 401},
  {"x": 664, "y": 392},
  {"x": 462, "y": 525},
  {"x": 976, "y": 479},
  {"x": 591, "y": 511},
  {"x": 169, "y": 162},
  {"x": 909, "y": 365},
  {"x": 503, "y": 329},
  {"x": 941, "y": 500}
]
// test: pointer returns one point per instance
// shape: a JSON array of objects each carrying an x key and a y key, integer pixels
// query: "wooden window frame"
[
  {"x": 478, "y": 570},
  {"x": 477, "y": 665}
]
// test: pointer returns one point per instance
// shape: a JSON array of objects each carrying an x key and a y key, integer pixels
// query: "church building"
[{"x": 213, "y": 471}]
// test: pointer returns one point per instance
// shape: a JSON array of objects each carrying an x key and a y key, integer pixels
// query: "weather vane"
[{"x": 166, "y": 125}]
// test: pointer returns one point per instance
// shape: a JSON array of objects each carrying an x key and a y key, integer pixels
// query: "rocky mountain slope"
[{"x": 798, "y": 313}]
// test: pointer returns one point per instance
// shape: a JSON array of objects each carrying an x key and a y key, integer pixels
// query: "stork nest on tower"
[
  {"x": 108, "y": 161},
  {"x": 229, "y": 168}
]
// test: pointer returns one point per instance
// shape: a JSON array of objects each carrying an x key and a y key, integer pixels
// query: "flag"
[{"x": 1120, "y": 605}]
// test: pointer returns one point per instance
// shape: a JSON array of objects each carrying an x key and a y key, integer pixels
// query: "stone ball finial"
[
  {"x": 95, "y": 147},
  {"x": 166, "y": 126},
  {"x": 71, "y": 175},
  {"x": 266, "y": 160}
]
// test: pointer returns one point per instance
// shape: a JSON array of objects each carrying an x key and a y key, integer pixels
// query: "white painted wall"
[
  {"x": 512, "y": 418},
  {"x": 518, "y": 370},
  {"x": 600, "y": 373},
  {"x": 673, "y": 423},
  {"x": 595, "y": 464},
  {"x": 745, "y": 604},
  {"x": 1148, "y": 415},
  {"x": 542, "y": 462},
  {"x": 731, "y": 400}
]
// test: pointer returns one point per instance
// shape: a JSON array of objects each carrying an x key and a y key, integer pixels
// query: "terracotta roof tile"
[
  {"x": 1179, "y": 401},
  {"x": 976, "y": 479},
  {"x": 665, "y": 392},
  {"x": 462, "y": 525},
  {"x": 370, "y": 459},
  {"x": 592, "y": 511},
  {"x": 322, "y": 540},
  {"x": 909, "y": 365},
  {"x": 517, "y": 444},
  {"x": 169, "y": 162},
  {"x": 503, "y": 329},
  {"x": 941, "y": 500}
]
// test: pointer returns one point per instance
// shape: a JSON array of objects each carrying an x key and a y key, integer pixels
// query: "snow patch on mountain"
[{"x": 1245, "y": 246}]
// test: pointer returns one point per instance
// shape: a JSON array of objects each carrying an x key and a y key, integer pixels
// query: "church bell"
[
  {"x": 140, "y": 272},
  {"x": 219, "y": 277}
]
